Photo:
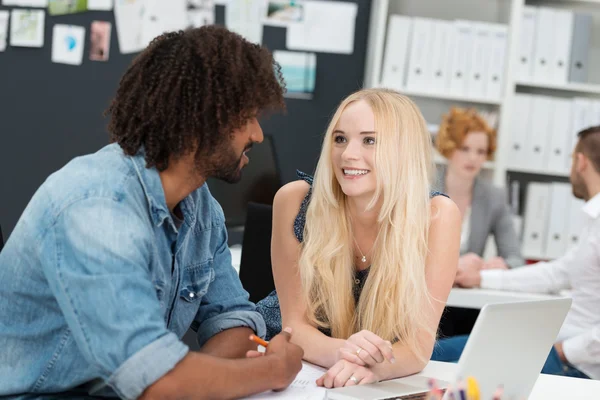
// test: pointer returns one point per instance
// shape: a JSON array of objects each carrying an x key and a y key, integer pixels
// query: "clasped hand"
[{"x": 356, "y": 359}]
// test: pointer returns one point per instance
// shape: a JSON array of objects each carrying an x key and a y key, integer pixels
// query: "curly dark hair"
[{"x": 190, "y": 90}]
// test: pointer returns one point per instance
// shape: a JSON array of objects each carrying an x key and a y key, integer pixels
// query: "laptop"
[{"x": 509, "y": 345}]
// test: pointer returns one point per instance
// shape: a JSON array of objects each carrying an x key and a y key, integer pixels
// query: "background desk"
[
  {"x": 547, "y": 387},
  {"x": 477, "y": 298}
]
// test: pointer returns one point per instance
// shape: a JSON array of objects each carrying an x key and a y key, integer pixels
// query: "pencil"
[{"x": 258, "y": 340}]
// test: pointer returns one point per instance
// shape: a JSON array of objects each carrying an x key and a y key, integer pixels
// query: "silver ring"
[
  {"x": 353, "y": 379},
  {"x": 358, "y": 351}
]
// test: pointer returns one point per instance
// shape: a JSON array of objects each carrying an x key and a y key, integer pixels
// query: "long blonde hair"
[{"x": 395, "y": 295}]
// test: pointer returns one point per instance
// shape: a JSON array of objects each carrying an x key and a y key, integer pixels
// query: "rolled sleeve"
[
  {"x": 147, "y": 366},
  {"x": 225, "y": 305},
  {"x": 491, "y": 279},
  {"x": 234, "y": 319},
  {"x": 584, "y": 348}
]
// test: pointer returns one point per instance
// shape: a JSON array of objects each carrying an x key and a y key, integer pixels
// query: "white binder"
[
  {"x": 594, "y": 119},
  {"x": 557, "y": 234},
  {"x": 536, "y": 153},
  {"x": 478, "y": 68},
  {"x": 463, "y": 39},
  {"x": 441, "y": 53},
  {"x": 520, "y": 128},
  {"x": 544, "y": 38},
  {"x": 576, "y": 222},
  {"x": 536, "y": 220},
  {"x": 419, "y": 63},
  {"x": 563, "y": 33},
  {"x": 524, "y": 68},
  {"x": 497, "y": 65},
  {"x": 560, "y": 132},
  {"x": 396, "y": 51}
]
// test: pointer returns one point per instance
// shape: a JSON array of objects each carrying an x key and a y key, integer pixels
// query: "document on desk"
[{"x": 304, "y": 387}]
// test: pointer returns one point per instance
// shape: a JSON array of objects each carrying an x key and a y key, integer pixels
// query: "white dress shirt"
[{"x": 579, "y": 271}]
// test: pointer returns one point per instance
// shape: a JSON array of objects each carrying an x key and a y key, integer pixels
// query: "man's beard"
[
  {"x": 228, "y": 167},
  {"x": 580, "y": 190}
]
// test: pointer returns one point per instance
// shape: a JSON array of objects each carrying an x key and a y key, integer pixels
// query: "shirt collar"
[
  {"x": 592, "y": 207},
  {"x": 155, "y": 194}
]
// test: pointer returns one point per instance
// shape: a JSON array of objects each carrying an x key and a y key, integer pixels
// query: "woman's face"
[
  {"x": 468, "y": 159},
  {"x": 353, "y": 150}
]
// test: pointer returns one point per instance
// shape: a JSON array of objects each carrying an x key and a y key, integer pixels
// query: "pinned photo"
[
  {"x": 62, "y": 7},
  {"x": 3, "y": 29},
  {"x": 283, "y": 13},
  {"x": 27, "y": 28},
  {"x": 299, "y": 72},
  {"x": 67, "y": 44},
  {"x": 100, "y": 40}
]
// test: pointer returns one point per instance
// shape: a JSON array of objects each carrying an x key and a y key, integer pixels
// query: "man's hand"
[
  {"x": 561, "y": 354},
  {"x": 495, "y": 263},
  {"x": 344, "y": 373},
  {"x": 470, "y": 261},
  {"x": 287, "y": 359},
  {"x": 366, "y": 348},
  {"x": 467, "y": 273}
]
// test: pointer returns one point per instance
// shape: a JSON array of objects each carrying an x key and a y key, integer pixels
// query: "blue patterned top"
[{"x": 269, "y": 306}]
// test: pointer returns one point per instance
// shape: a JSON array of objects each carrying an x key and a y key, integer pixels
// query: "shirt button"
[
  {"x": 192, "y": 295},
  {"x": 357, "y": 281}
]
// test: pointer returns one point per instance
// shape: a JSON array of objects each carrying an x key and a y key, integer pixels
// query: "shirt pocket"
[{"x": 195, "y": 281}]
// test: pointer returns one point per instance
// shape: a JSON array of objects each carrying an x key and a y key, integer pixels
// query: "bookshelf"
[
  {"x": 576, "y": 88},
  {"x": 434, "y": 104}
]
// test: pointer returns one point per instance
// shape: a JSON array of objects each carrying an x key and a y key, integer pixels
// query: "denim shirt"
[{"x": 99, "y": 284}]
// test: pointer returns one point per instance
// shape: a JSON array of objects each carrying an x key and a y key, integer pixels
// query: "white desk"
[
  {"x": 547, "y": 387},
  {"x": 477, "y": 298}
]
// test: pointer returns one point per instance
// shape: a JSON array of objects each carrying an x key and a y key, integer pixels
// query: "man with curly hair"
[{"x": 121, "y": 251}]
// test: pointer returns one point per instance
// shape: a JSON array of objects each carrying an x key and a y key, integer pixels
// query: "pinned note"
[
  {"x": 67, "y": 44},
  {"x": 27, "y": 28}
]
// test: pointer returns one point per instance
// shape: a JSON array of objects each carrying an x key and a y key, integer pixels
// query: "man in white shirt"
[{"x": 577, "y": 350}]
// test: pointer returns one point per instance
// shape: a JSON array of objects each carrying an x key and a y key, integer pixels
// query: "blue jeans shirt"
[{"x": 99, "y": 284}]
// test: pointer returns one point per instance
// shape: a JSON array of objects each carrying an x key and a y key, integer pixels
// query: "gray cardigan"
[{"x": 490, "y": 215}]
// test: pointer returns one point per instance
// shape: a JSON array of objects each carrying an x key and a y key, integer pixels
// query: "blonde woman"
[{"x": 364, "y": 256}]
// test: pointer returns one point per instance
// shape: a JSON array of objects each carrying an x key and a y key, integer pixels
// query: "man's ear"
[{"x": 582, "y": 162}]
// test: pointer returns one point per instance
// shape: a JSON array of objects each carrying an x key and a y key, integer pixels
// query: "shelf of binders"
[
  {"x": 536, "y": 171},
  {"x": 573, "y": 87},
  {"x": 448, "y": 96}
]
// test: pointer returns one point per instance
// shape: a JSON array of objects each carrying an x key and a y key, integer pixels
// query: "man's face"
[{"x": 230, "y": 158}]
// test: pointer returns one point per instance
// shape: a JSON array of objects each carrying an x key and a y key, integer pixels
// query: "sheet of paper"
[
  {"x": 27, "y": 28},
  {"x": 128, "y": 21},
  {"x": 299, "y": 72},
  {"x": 100, "y": 40},
  {"x": 304, "y": 387},
  {"x": 200, "y": 13},
  {"x": 162, "y": 16},
  {"x": 328, "y": 27},
  {"x": 245, "y": 17},
  {"x": 284, "y": 12},
  {"x": 102, "y": 5},
  {"x": 62, "y": 7},
  {"x": 68, "y": 44},
  {"x": 3, "y": 29}
]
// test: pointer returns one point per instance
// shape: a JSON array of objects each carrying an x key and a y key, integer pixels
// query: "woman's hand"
[
  {"x": 366, "y": 349},
  {"x": 344, "y": 373}
]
